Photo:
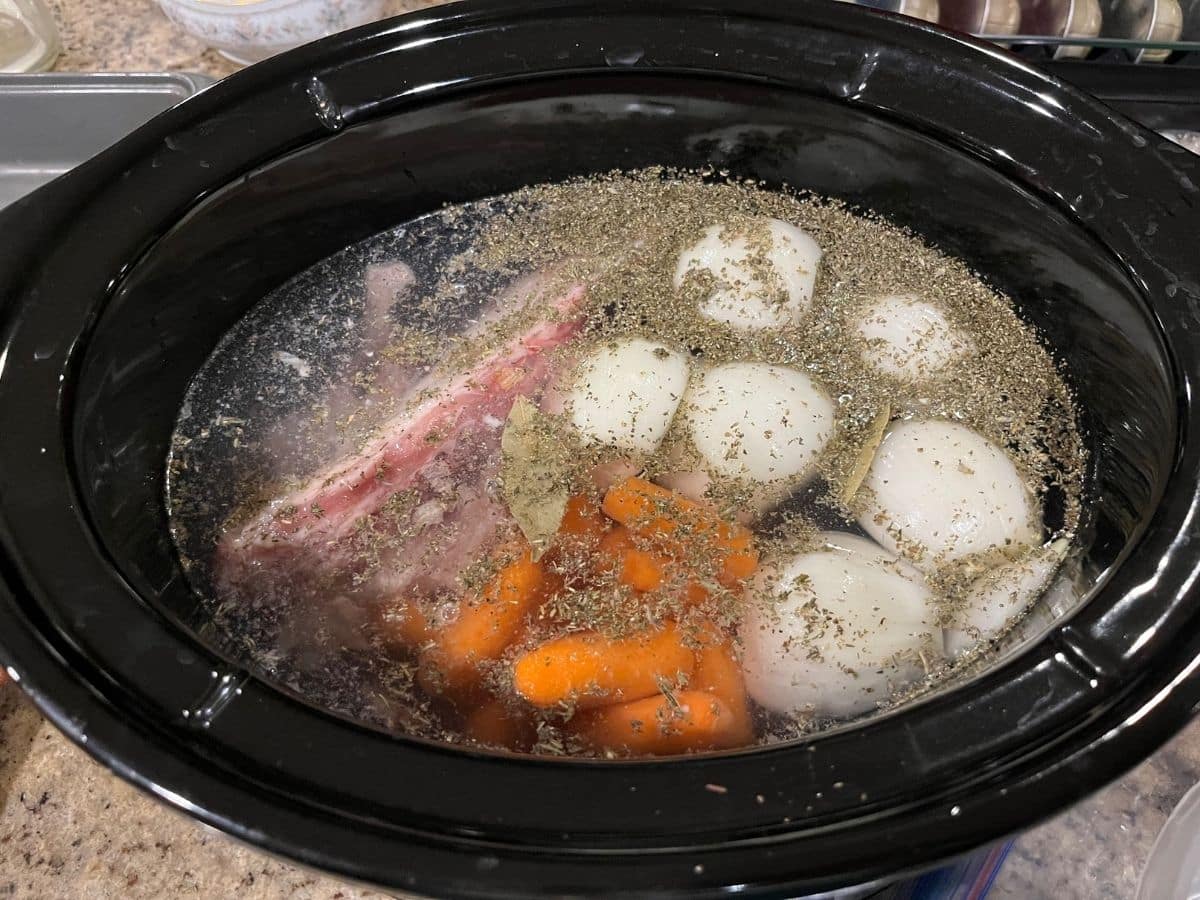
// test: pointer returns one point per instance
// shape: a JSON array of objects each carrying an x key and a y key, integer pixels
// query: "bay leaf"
[
  {"x": 866, "y": 454},
  {"x": 534, "y": 469}
]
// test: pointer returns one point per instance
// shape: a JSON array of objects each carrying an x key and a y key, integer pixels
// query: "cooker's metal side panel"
[{"x": 55, "y": 121}]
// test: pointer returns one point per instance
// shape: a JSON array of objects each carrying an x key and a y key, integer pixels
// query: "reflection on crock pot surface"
[{"x": 639, "y": 464}]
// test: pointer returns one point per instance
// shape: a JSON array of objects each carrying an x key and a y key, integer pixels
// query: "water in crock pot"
[{"x": 646, "y": 463}]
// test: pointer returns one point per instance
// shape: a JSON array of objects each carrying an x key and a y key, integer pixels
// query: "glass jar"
[
  {"x": 1144, "y": 20},
  {"x": 917, "y": 9},
  {"x": 28, "y": 36},
  {"x": 991, "y": 17},
  {"x": 1063, "y": 19}
]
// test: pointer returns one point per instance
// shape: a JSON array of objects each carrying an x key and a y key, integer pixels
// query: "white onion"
[
  {"x": 840, "y": 630},
  {"x": 909, "y": 338},
  {"x": 614, "y": 471},
  {"x": 741, "y": 297},
  {"x": 691, "y": 483},
  {"x": 757, "y": 421},
  {"x": 938, "y": 491},
  {"x": 1000, "y": 595},
  {"x": 626, "y": 392}
]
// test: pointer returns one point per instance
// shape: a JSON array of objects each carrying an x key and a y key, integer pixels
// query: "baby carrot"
[
  {"x": 496, "y": 724},
  {"x": 642, "y": 570},
  {"x": 485, "y": 626},
  {"x": 661, "y": 514},
  {"x": 663, "y": 725},
  {"x": 403, "y": 625},
  {"x": 638, "y": 568},
  {"x": 719, "y": 673},
  {"x": 592, "y": 670},
  {"x": 737, "y": 566},
  {"x": 583, "y": 520},
  {"x": 647, "y": 507},
  {"x": 739, "y": 558}
]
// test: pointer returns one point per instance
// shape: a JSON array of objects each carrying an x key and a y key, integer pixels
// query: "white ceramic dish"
[
  {"x": 247, "y": 31},
  {"x": 1173, "y": 869}
]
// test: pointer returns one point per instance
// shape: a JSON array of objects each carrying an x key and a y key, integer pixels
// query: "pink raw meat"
[{"x": 440, "y": 456}]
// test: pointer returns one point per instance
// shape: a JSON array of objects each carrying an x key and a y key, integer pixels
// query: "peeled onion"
[
  {"x": 938, "y": 491},
  {"x": 757, "y": 421},
  {"x": 692, "y": 484},
  {"x": 842, "y": 628},
  {"x": 1000, "y": 595},
  {"x": 741, "y": 296},
  {"x": 626, "y": 392},
  {"x": 908, "y": 338}
]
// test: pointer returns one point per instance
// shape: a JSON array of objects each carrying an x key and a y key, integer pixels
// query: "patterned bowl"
[{"x": 247, "y": 31}]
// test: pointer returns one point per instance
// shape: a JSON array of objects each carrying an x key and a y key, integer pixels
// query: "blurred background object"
[
  {"x": 996, "y": 17},
  {"x": 247, "y": 31},
  {"x": 1062, "y": 19},
  {"x": 28, "y": 36},
  {"x": 1140, "y": 31},
  {"x": 1154, "y": 21},
  {"x": 1173, "y": 869},
  {"x": 918, "y": 9}
]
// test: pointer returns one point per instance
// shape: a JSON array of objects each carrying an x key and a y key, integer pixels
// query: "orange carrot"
[
  {"x": 638, "y": 568},
  {"x": 498, "y": 725},
  {"x": 642, "y": 570},
  {"x": 670, "y": 519},
  {"x": 403, "y": 625},
  {"x": 686, "y": 721},
  {"x": 739, "y": 559},
  {"x": 583, "y": 520},
  {"x": 647, "y": 507},
  {"x": 592, "y": 670},
  {"x": 695, "y": 593},
  {"x": 582, "y": 529},
  {"x": 719, "y": 673},
  {"x": 737, "y": 567},
  {"x": 485, "y": 626}
]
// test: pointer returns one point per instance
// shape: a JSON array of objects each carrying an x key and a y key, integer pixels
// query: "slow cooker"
[{"x": 118, "y": 279}]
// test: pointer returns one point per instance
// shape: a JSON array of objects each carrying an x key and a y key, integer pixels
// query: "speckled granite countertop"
[
  {"x": 70, "y": 829},
  {"x": 128, "y": 36}
]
